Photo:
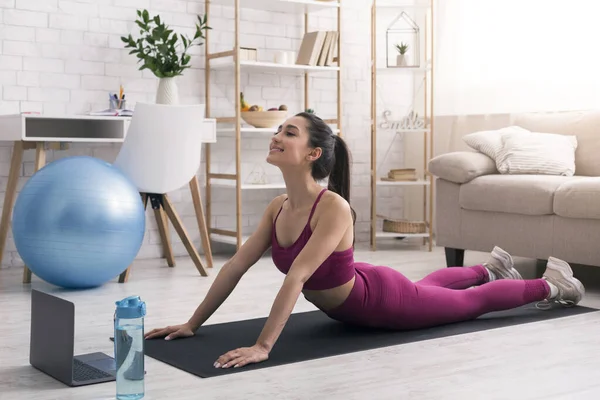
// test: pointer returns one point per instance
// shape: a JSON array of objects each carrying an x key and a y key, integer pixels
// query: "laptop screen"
[{"x": 52, "y": 335}]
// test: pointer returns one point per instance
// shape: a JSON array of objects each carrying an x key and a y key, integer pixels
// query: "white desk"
[
  {"x": 34, "y": 131},
  {"x": 76, "y": 128}
]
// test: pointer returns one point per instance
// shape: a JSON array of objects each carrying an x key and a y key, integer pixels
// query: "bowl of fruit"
[{"x": 257, "y": 117}]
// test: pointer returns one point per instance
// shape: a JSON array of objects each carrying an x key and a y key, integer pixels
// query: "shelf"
[
  {"x": 269, "y": 67},
  {"x": 420, "y": 182},
  {"x": 396, "y": 70},
  {"x": 249, "y": 129},
  {"x": 230, "y": 184},
  {"x": 227, "y": 239},
  {"x": 248, "y": 186},
  {"x": 391, "y": 235},
  {"x": 288, "y": 6},
  {"x": 404, "y": 130},
  {"x": 383, "y": 4},
  {"x": 403, "y": 70}
]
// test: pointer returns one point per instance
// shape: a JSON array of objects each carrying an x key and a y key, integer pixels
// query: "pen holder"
[{"x": 114, "y": 104}]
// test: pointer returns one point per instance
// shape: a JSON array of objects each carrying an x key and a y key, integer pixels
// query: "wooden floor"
[{"x": 558, "y": 359}]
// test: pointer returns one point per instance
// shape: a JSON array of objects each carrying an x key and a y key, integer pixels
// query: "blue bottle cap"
[{"x": 131, "y": 307}]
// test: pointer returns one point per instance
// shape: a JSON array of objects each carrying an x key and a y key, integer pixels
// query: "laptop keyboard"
[{"x": 83, "y": 372}]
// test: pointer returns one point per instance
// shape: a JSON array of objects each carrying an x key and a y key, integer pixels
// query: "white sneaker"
[
  {"x": 570, "y": 289},
  {"x": 501, "y": 265}
]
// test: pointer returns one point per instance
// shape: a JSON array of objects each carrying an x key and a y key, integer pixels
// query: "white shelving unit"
[
  {"x": 234, "y": 126},
  {"x": 269, "y": 67},
  {"x": 287, "y": 6},
  {"x": 424, "y": 70},
  {"x": 249, "y": 186},
  {"x": 394, "y": 235},
  {"x": 419, "y": 182},
  {"x": 249, "y": 129}
]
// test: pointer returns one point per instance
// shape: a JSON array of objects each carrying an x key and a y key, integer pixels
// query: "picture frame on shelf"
[{"x": 403, "y": 37}]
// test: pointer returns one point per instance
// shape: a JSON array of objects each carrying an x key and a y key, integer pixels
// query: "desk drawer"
[{"x": 74, "y": 129}]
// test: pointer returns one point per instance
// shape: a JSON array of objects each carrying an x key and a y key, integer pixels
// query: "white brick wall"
[{"x": 59, "y": 56}]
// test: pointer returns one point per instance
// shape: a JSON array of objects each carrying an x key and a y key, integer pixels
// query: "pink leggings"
[{"x": 383, "y": 297}]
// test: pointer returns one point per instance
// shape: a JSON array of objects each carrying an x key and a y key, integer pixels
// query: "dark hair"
[{"x": 335, "y": 157}]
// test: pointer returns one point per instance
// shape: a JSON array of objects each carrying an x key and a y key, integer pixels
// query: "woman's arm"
[
  {"x": 331, "y": 227},
  {"x": 328, "y": 233},
  {"x": 233, "y": 270}
]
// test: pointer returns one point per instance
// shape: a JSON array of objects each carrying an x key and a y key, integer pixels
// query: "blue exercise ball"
[{"x": 78, "y": 222}]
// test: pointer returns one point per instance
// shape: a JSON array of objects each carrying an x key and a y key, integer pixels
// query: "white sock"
[
  {"x": 492, "y": 276},
  {"x": 553, "y": 290}
]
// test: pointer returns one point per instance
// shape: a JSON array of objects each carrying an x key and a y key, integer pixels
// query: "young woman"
[{"x": 310, "y": 231}]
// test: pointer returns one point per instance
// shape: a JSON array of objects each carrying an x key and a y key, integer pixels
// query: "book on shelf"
[
  {"x": 248, "y": 54},
  {"x": 402, "y": 174},
  {"x": 317, "y": 48}
]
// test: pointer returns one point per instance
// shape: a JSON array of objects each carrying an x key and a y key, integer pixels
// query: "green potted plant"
[
  {"x": 163, "y": 52},
  {"x": 401, "y": 57}
]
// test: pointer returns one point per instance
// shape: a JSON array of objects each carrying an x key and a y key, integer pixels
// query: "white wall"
[
  {"x": 509, "y": 56},
  {"x": 64, "y": 56}
]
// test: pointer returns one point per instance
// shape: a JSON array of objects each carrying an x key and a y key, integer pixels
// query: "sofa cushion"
[
  {"x": 578, "y": 198},
  {"x": 583, "y": 124},
  {"x": 537, "y": 153},
  {"x": 490, "y": 142},
  {"x": 461, "y": 166},
  {"x": 517, "y": 194}
]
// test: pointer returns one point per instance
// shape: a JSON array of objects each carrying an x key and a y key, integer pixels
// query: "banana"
[{"x": 244, "y": 106}]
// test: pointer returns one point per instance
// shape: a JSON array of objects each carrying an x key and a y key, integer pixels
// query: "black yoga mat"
[{"x": 312, "y": 335}]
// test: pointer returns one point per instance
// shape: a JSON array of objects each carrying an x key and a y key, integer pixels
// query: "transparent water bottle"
[{"x": 129, "y": 347}]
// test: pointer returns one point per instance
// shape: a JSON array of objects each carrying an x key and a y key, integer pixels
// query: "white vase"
[
  {"x": 401, "y": 60},
  {"x": 167, "y": 92}
]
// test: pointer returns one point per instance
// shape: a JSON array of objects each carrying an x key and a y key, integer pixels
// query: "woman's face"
[{"x": 289, "y": 145}]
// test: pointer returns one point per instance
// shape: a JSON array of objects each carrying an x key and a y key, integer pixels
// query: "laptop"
[{"x": 52, "y": 343}]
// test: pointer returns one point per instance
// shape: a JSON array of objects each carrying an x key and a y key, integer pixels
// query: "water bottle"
[{"x": 129, "y": 348}]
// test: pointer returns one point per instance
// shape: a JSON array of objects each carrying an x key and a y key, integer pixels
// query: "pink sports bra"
[{"x": 336, "y": 270}]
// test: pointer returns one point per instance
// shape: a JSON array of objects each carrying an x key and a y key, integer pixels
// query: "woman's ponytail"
[
  {"x": 339, "y": 178},
  {"x": 334, "y": 162}
]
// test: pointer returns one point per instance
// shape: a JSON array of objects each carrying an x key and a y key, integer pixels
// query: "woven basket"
[{"x": 404, "y": 226}]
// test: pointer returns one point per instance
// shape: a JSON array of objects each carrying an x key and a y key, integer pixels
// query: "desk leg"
[
  {"x": 40, "y": 161},
  {"x": 196, "y": 197},
  {"x": 11, "y": 189}
]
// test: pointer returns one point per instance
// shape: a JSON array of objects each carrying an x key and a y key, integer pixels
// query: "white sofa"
[{"x": 529, "y": 215}]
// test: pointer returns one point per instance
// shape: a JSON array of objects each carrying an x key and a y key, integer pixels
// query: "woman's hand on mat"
[
  {"x": 242, "y": 356},
  {"x": 171, "y": 332}
]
